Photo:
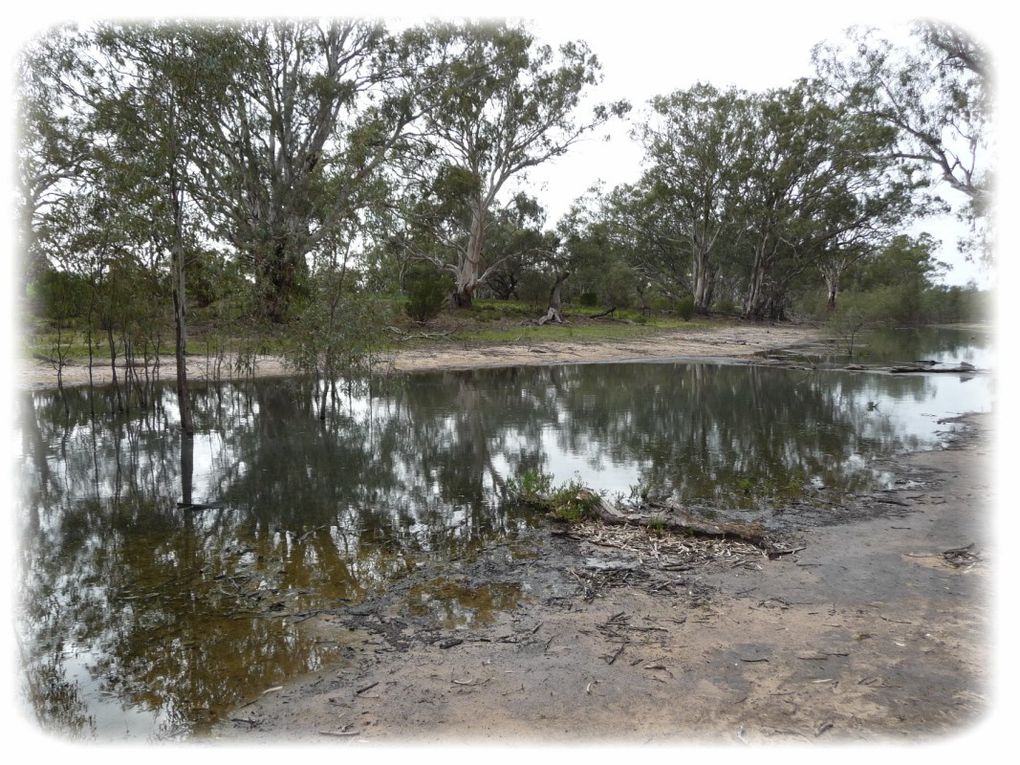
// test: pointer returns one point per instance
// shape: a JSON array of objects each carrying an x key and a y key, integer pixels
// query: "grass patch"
[
  {"x": 570, "y": 503},
  {"x": 574, "y": 332}
]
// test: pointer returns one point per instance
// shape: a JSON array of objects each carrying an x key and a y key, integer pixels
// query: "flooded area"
[{"x": 165, "y": 581}]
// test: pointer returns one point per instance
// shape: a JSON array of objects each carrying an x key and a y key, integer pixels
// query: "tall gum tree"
[
  {"x": 813, "y": 175},
  {"x": 310, "y": 111},
  {"x": 502, "y": 104},
  {"x": 126, "y": 93},
  {"x": 155, "y": 75},
  {"x": 692, "y": 141},
  {"x": 936, "y": 95}
]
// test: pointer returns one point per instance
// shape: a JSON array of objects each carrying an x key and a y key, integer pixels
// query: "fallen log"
[
  {"x": 963, "y": 366},
  {"x": 672, "y": 518}
]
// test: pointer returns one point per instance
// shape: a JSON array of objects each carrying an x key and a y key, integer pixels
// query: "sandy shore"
[{"x": 723, "y": 341}]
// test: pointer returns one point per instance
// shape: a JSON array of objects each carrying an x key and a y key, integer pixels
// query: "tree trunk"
[
  {"x": 180, "y": 331},
  {"x": 471, "y": 259},
  {"x": 703, "y": 278},
  {"x": 553, "y": 314},
  {"x": 554, "y": 293},
  {"x": 832, "y": 286},
  {"x": 113, "y": 365}
]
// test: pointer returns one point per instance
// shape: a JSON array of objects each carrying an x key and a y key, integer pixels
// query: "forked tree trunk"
[{"x": 553, "y": 313}]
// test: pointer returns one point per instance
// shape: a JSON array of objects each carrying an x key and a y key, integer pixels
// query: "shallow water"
[{"x": 144, "y": 620}]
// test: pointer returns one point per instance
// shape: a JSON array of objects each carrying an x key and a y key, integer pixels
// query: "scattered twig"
[
  {"x": 619, "y": 650},
  {"x": 775, "y": 553},
  {"x": 366, "y": 688},
  {"x": 469, "y": 682}
]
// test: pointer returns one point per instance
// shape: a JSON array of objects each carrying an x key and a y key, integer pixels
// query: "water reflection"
[{"x": 141, "y": 617}]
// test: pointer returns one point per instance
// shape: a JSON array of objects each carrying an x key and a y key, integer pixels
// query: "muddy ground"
[
  {"x": 723, "y": 340},
  {"x": 871, "y": 632}
]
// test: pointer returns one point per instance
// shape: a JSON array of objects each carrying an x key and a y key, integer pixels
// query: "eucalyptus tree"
[
  {"x": 308, "y": 114},
  {"x": 101, "y": 162},
  {"x": 144, "y": 82},
  {"x": 935, "y": 93},
  {"x": 516, "y": 243},
  {"x": 54, "y": 141},
  {"x": 693, "y": 140},
  {"x": 813, "y": 176},
  {"x": 643, "y": 230},
  {"x": 501, "y": 105},
  {"x": 602, "y": 251}
]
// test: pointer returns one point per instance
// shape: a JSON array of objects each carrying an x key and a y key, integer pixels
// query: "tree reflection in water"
[{"x": 136, "y": 609}]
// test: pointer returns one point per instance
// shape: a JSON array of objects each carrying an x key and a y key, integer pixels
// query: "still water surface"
[{"x": 143, "y": 620}]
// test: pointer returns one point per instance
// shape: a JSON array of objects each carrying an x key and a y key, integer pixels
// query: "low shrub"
[{"x": 427, "y": 292}]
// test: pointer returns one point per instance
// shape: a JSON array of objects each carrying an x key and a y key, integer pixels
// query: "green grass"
[{"x": 559, "y": 332}]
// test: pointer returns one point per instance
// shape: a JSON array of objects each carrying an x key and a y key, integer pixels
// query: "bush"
[
  {"x": 727, "y": 307},
  {"x": 427, "y": 291},
  {"x": 573, "y": 503},
  {"x": 530, "y": 488},
  {"x": 685, "y": 307},
  {"x": 588, "y": 299}
]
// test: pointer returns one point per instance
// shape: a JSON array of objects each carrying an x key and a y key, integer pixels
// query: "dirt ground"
[
  {"x": 873, "y": 631},
  {"x": 724, "y": 340}
]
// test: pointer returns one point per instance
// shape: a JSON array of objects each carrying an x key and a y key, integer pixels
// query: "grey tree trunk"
[
  {"x": 180, "y": 328},
  {"x": 470, "y": 261}
]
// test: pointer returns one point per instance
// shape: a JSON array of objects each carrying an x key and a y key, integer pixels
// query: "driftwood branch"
[{"x": 672, "y": 518}]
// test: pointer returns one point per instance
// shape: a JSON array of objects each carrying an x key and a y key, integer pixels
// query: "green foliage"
[
  {"x": 726, "y": 307},
  {"x": 656, "y": 525},
  {"x": 934, "y": 95},
  {"x": 337, "y": 332},
  {"x": 530, "y": 488},
  {"x": 573, "y": 503},
  {"x": 685, "y": 307},
  {"x": 60, "y": 296},
  {"x": 588, "y": 299},
  {"x": 427, "y": 291}
]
